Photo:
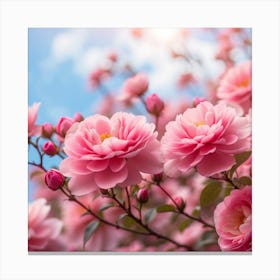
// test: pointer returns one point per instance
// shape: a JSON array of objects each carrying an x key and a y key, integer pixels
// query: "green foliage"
[
  {"x": 244, "y": 181},
  {"x": 150, "y": 215},
  {"x": 239, "y": 160},
  {"x": 185, "y": 224},
  {"x": 106, "y": 206},
  {"x": 166, "y": 208},
  {"x": 210, "y": 193},
  {"x": 90, "y": 229}
]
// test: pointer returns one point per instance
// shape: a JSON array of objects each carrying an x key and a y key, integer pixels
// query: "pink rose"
[
  {"x": 135, "y": 86},
  {"x": 233, "y": 221},
  {"x": 41, "y": 229},
  {"x": 206, "y": 137},
  {"x": 33, "y": 129},
  {"x": 236, "y": 85},
  {"x": 103, "y": 153}
]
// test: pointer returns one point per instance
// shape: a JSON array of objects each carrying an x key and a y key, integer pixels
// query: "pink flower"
[
  {"x": 134, "y": 87},
  {"x": 33, "y": 129},
  {"x": 41, "y": 229},
  {"x": 206, "y": 137},
  {"x": 154, "y": 104},
  {"x": 98, "y": 75},
  {"x": 236, "y": 85},
  {"x": 108, "y": 152},
  {"x": 63, "y": 125},
  {"x": 233, "y": 221}
]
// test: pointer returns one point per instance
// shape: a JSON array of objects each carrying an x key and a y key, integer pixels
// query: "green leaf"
[
  {"x": 244, "y": 180},
  {"x": 106, "y": 206},
  {"x": 210, "y": 193},
  {"x": 150, "y": 215},
  {"x": 128, "y": 221},
  {"x": 121, "y": 217},
  {"x": 196, "y": 212},
  {"x": 90, "y": 229},
  {"x": 227, "y": 190},
  {"x": 185, "y": 224},
  {"x": 134, "y": 190},
  {"x": 166, "y": 208},
  {"x": 239, "y": 160}
]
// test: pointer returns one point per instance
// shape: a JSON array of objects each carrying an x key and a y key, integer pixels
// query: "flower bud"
[
  {"x": 180, "y": 203},
  {"x": 47, "y": 130},
  {"x": 154, "y": 104},
  {"x": 112, "y": 56},
  {"x": 143, "y": 195},
  {"x": 198, "y": 100},
  {"x": 63, "y": 125},
  {"x": 78, "y": 117},
  {"x": 54, "y": 179},
  {"x": 49, "y": 148}
]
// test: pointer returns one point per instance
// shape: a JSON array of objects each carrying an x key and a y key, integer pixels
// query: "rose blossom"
[
  {"x": 135, "y": 86},
  {"x": 206, "y": 137},
  {"x": 233, "y": 221},
  {"x": 236, "y": 85},
  {"x": 32, "y": 117},
  {"x": 41, "y": 229},
  {"x": 105, "y": 152}
]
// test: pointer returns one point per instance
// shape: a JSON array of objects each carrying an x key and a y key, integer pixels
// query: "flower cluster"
[{"x": 175, "y": 178}]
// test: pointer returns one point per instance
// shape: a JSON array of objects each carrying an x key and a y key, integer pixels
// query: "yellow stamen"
[
  {"x": 245, "y": 83},
  {"x": 104, "y": 136},
  {"x": 197, "y": 124}
]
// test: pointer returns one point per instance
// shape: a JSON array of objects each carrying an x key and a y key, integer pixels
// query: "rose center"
[
  {"x": 197, "y": 124},
  {"x": 104, "y": 136}
]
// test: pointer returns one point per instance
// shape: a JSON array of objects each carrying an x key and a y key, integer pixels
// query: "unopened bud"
[
  {"x": 54, "y": 179},
  {"x": 63, "y": 125},
  {"x": 49, "y": 148},
  {"x": 154, "y": 104},
  {"x": 78, "y": 117},
  {"x": 180, "y": 202},
  {"x": 47, "y": 130},
  {"x": 143, "y": 195}
]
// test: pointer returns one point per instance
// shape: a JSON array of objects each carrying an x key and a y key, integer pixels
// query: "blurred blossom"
[{"x": 33, "y": 129}]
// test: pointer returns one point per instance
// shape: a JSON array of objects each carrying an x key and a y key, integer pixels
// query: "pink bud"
[
  {"x": 143, "y": 195},
  {"x": 198, "y": 100},
  {"x": 54, "y": 179},
  {"x": 63, "y": 125},
  {"x": 47, "y": 130},
  {"x": 134, "y": 87},
  {"x": 49, "y": 148},
  {"x": 78, "y": 117},
  {"x": 112, "y": 56},
  {"x": 180, "y": 202},
  {"x": 154, "y": 104}
]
